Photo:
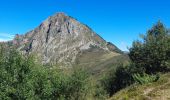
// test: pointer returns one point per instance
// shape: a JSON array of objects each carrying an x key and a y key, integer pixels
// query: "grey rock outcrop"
[{"x": 60, "y": 39}]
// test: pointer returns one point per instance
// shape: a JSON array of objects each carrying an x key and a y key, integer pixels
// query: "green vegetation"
[
  {"x": 145, "y": 78},
  {"x": 22, "y": 78},
  {"x": 158, "y": 90},
  {"x": 149, "y": 57},
  {"x": 153, "y": 53}
]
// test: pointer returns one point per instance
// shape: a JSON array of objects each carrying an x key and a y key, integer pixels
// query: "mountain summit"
[{"x": 62, "y": 40}]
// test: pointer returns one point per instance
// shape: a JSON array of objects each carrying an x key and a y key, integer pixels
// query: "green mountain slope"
[{"x": 159, "y": 90}]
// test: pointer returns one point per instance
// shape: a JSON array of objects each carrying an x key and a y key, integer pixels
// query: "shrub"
[
  {"x": 118, "y": 79},
  {"x": 145, "y": 78},
  {"x": 21, "y": 78}
]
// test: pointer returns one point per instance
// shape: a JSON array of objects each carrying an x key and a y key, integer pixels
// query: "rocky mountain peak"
[
  {"x": 61, "y": 39},
  {"x": 57, "y": 19}
]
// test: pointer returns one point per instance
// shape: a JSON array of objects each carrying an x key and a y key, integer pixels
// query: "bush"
[
  {"x": 125, "y": 76},
  {"x": 78, "y": 85},
  {"x": 21, "y": 78},
  {"x": 145, "y": 78},
  {"x": 118, "y": 79},
  {"x": 100, "y": 92}
]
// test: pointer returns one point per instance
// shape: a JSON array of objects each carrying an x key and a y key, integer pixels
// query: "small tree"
[{"x": 152, "y": 52}]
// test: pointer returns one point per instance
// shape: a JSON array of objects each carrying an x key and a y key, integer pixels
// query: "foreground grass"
[{"x": 159, "y": 90}]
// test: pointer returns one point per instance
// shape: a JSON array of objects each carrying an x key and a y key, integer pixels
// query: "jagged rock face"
[{"x": 59, "y": 39}]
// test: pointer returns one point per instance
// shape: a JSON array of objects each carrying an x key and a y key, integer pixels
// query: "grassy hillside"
[
  {"x": 100, "y": 61},
  {"x": 159, "y": 90}
]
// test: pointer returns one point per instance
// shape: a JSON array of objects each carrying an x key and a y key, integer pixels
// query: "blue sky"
[{"x": 117, "y": 21}]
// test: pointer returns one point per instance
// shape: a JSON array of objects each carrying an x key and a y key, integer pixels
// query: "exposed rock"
[{"x": 60, "y": 38}]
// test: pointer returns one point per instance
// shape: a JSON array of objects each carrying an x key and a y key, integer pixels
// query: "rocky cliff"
[{"x": 62, "y": 40}]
